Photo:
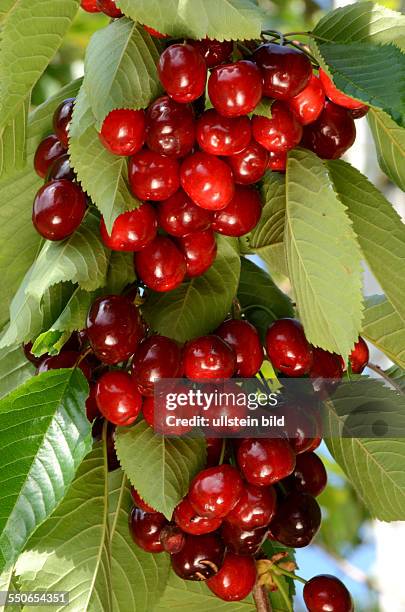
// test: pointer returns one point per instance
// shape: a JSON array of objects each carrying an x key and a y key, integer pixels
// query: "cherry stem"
[
  {"x": 245, "y": 49},
  {"x": 308, "y": 33},
  {"x": 222, "y": 455},
  {"x": 264, "y": 381},
  {"x": 275, "y": 34},
  {"x": 378, "y": 370},
  {"x": 284, "y": 572},
  {"x": 283, "y": 593},
  {"x": 83, "y": 356},
  {"x": 262, "y": 600}
]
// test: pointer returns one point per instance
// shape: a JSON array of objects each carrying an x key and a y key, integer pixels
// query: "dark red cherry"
[
  {"x": 190, "y": 522},
  {"x": 332, "y": 134},
  {"x": 220, "y": 135},
  {"x": 200, "y": 250},
  {"x": 108, "y": 7},
  {"x": 117, "y": 397},
  {"x": 337, "y": 96},
  {"x": 61, "y": 169},
  {"x": 214, "y": 449},
  {"x": 153, "y": 176},
  {"x": 308, "y": 104},
  {"x": 241, "y": 541},
  {"x": 131, "y": 230},
  {"x": 286, "y": 71},
  {"x": 235, "y": 89},
  {"x": 207, "y": 180},
  {"x": 161, "y": 265},
  {"x": 358, "y": 113},
  {"x": 226, "y": 412},
  {"x": 47, "y": 152},
  {"x": 123, "y": 131},
  {"x": 146, "y": 528},
  {"x": 66, "y": 359},
  {"x": 277, "y": 161},
  {"x": 265, "y": 461},
  {"x": 326, "y": 365},
  {"x": 182, "y": 72},
  {"x": 244, "y": 339},
  {"x": 157, "y": 357},
  {"x": 309, "y": 475},
  {"x": 297, "y": 520},
  {"x": 138, "y": 501},
  {"x": 241, "y": 215},
  {"x": 213, "y": 51},
  {"x": 280, "y": 133},
  {"x": 90, "y": 6},
  {"x": 170, "y": 127},
  {"x": 58, "y": 209},
  {"x": 208, "y": 358},
  {"x": 215, "y": 491},
  {"x": 114, "y": 328},
  {"x": 287, "y": 347},
  {"x": 61, "y": 120},
  {"x": 359, "y": 356},
  {"x": 325, "y": 593},
  {"x": 158, "y": 422},
  {"x": 236, "y": 578},
  {"x": 255, "y": 508},
  {"x": 249, "y": 166},
  {"x": 154, "y": 32},
  {"x": 172, "y": 539},
  {"x": 179, "y": 216},
  {"x": 200, "y": 558},
  {"x": 304, "y": 425}
]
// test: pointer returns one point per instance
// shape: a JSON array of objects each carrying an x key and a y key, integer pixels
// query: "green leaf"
[
  {"x": 323, "y": 256},
  {"x": 198, "y": 306},
  {"x": 13, "y": 142},
  {"x": 278, "y": 602},
  {"x": 384, "y": 328},
  {"x": 160, "y": 468},
  {"x": 44, "y": 428},
  {"x": 389, "y": 140},
  {"x": 263, "y": 109},
  {"x": 14, "y": 369}
]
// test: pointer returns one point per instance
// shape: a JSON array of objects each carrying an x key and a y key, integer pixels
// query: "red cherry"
[
  {"x": 146, "y": 528},
  {"x": 131, "y": 230},
  {"x": 224, "y": 413},
  {"x": 241, "y": 215},
  {"x": 139, "y": 502},
  {"x": 153, "y": 176},
  {"x": 359, "y": 356},
  {"x": 182, "y": 72},
  {"x": 286, "y": 71},
  {"x": 332, "y": 134},
  {"x": 244, "y": 339},
  {"x": 236, "y": 578},
  {"x": 207, "y": 180},
  {"x": 108, "y": 7},
  {"x": 208, "y": 358},
  {"x": 48, "y": 150},
  {"x": 280, "y": 133},
  {"x": 66, "y": 359},
  {"x": 304, "y": 427},
  {"x": 157, "y": 357},
  {"x": 235, "y": 89},
  {"x": 220, "y": 135},
  {"x": 154, "y": 32},
  {"x": 326, "y": 365},
  {"x": 215, "y": 491},
  {"x": 161, "y": 265},
  {"x": 287, "y": 347},
  {"x": 190, "y": 522},
  {"x": 325, "y": 593},
  {"x": 249, "y": 166},
  {"x": 159, "y": 424},
  {"x": 255, "y": 508},
  {"x": 277, "y": 161},
  {"x": 297, "y": 520},
  {"x": 309, "y": 475},
  {"x": 214, "y": 449},
  {"x": 200, "y": 558},
  {"x": 61, "y": 120},
  {"x": 200, "y": 250},
  {"x": 214, "y": 52},
  {"x": 337, "y": 96},
  {"x": 123, "y": 131},
  {"x": 170, "y": 127},
  {"x": 117, "y": 398},
  {"x": 241, "y": 541},
  {"x": 265, "y": 461},
  {"x": 61, "y": 169},
  {"x": 90, "y": 6},
  {"x": 172, "y": 538},
  {"x": 58, "y": 209},
  {"x": 358, "y": 113},
  {"x": 309, "y": 104},
  {"x": 179, "y": 216}
]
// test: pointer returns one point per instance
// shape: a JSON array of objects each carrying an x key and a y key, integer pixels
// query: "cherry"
[
  {"x": 242, "y": 541},
  {"x": 207, "y": 180},
  {"x": 337, "y": 96},
  {"x": 67, "y": 359},
  {"x": 332, "y": 134},
  {"x": 161, "y": 265},
  {"x": 182, "y": 72},
  {"x": 325, "y": 593},
  {"x": 58, "y": 209},
  {"x": 249, "y": 166},
  {"x": 200, "y": 250},
  {"x": 139, "y": 502},
  {"x": 179, "y": 216},
  {"x": 359, "y": 356},
  {"x": 255, "y": 508},
  {"x": 277, "y": 161},
  {"x": 358, "y": 113},
  {"x": 214, "y": 52},
  {"x": 145, "y": 529},
  {"x": 223, "y": 135},
  {"x": 208, "y": 358},
  {"x": 114, "y": 328},
  {"x": 61, "y": 120},
  {"x": 304, "y": 426},
  {"x": 48, "y": 150},
  {"x": 108, "y": 7},
  {"x": 225, "y": 412},
  {"x": 244, "y": 339},
  {"x": 92, "y": 411},
  {"x": 117, "y": 398},
  {"x": 309, "y": 104},
  {"x": 215, "y": 491},
  {"x": 241, "y": 215},
  {"x": 123, "y": 131},
  {"x": 170, "y": 127},
  {"x": 309, "y": 475},
  {"x": 286, "y": 71},
  {"x": 325, "y": 365},
  {"x": 157, "y": 357},
  {"x": 172, "y": 539},
  {"x": 280, "y": 133},
  {"x": 200, "y": 558},
  {"x": 297, "y": 520},
  {"x": 132, "y": 230},
  {"x": 154, "y": 32},
  {"x": 287, "y": 347},
  {"x": 236, "y": 578},
  {"x": 158, "y": 423},
  {"x": 265, "y": 461},
  {"x": 214, "y": 449},
  {"x": 190, "y": 522},
  {"x": 61, "y": 169},
  {"x": 153, "y": 176},
  {"x": 235, "y": 89},
  {"x": 90, "y": 6}
]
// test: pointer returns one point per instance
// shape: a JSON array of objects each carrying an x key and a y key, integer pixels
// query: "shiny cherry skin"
[
  {"x": 304, "y": 426},
  {"x": 215, "y": 491},
  {"x": 124, "y": 131},
  {"x": 359, "y": 356},
  {"x": 214, "y": 52},
  {"x": 61, "y": 120},
  {"x": 325, "y": 593},
  {"x": 236, "y": 578},
  {"x": 208, "y": 358},
  {"x": 90, "y": 6},
  {"x": 66, "y": 359},
  {"x": 225, "y": 410},
  {"x": 255, "y": 508},
  {"x": 48, "y": 150},
  {"x": 332, "y": 134},
  {"x": 325, "y": 364},
  {"x": 242, "y": 541},
  {"x": 214, "y": 448},
  {"x": 161, "y": 265},
  {"x": 288, "y": 349},
  {"x": 58, "y": 209},
  {"x": 190, "y": 522},
  {"x": 172, "y": 538},
  {"x": 286, "y": 71},
  {"x": 145, "y": 529},
  {"x": 280, "y": 133},
  {"x": 117, "y": 397},
  {"x": 309, "y": 475},
  {"x": 200, "y": 250},
  {"x": 235, "y": 89},
  {"x": 337, "y": 96},
  {"x": 249, "y": 166},
  {"x": 241, "y": 215},
  {"x": 153, "y": 176},
  {"x": 139, "y": 502},
  {"x": 220, "y": 135},
  {"x": 154, "y": 32},
  {"x": 61, "y": 169},
  {"x": 170, "y": 127},
  {"x": 179, "y": 216},
  {"x": 157, "y": 423},
  {"x": 182, "y": 72},
  {"x": 308, "y": 104},
  {"x": 265, "y": 461},
  {"x": 297, "y": 520},
  {"x": 132, "y": 230},
  {"x": 200, "y": 558},
  {"x": 277, "y": 161},
  {"x": 244, "y": 339},
  {"x": 114, "y": 328},
  {"x": 109, "y": 8},
  {"x": 358, "y": 113},
  {"x": 207, "y": 180},
  {"x": 157, "y": 357}
]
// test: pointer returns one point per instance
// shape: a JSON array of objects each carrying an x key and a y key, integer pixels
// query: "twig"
[
  {"x": 262, "y": 600},
  {"x": 378, "y": 370}
]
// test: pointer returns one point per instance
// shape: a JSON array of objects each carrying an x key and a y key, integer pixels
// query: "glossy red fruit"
[
  {"x": 161, "y": 265},
  {"x": 241, "y": 541},
  {"x": 182, "y": 72},
  {"x": 286, "y": 71},
  {"x": 157, "y": 357},
  {"x": 208, "y": 358},
  {"x": 157, "y": 423},
  {"x": 146, "y": 528},
  {"x": 235, "y": 89},
  {"x": 304, "y": 427},
  {"x": 190, "y": 522},
  {"x": 325, "y": 593},
  {"x": 200, "y": 250},
  {"x": 131, "y": 230},
  {"x": 108, "y": 7},
  {"x": 359, "y": 356},
  {"x": 337, "y": 96},
  {"x": 172, "y": 539},
  {"x": 280, "y": 133},
  {"x": 48, "y": 150},
  {"x": 297, "y": 520},
  {"x": 179, "y": 216},
  {"x": 214, "y": 449},
  {"x": 287, "y": 347},
  {"x": 309, "y": 475},
  {"x": 61, "y": 170},
  {"x": 325, "y": 365},
  {"x": 255, "y": 508},
  {"x": 123, "y": 131},
  {"x": 58, "y": 209},
  {"x": 224, "y": 414},
  {"x": 61, "y": 120},
  {"x": 117, "y": 398},
  {"x": 265, "y": 461},
  {"x": 277, "y": 161},
  {"x": 236, "y": 578},
  {"x": 200, "y": 558},
  {"x": 154, "y": 32},
  {"x": 244, "y": 339},
  {"x": 138, "y": 501},
  {"x": 207, "y": 180},
  {"x": 241, "y": 215},
  {"x": 220, "y": 135},
  {"x": 153, "y": 176},
  {"x": 90, "y": 6},
  {"x": 215, "y": 491},
  {"x": 309, "y": 104},
  {"x": 214, "y": 52},
  {"x": 358, "y": 113},
  {"x": 114, "y": 328},
  {"x": 170, "y": 127},
  {"x": 249, "y": 166},
  {"x": 66, "y": 359},
  {"x": 332, "y": 134}
]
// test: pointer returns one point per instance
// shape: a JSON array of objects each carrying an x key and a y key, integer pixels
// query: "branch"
[
  {"x": 376, "y": 368},
  {"x": 262, "y": 600}
]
